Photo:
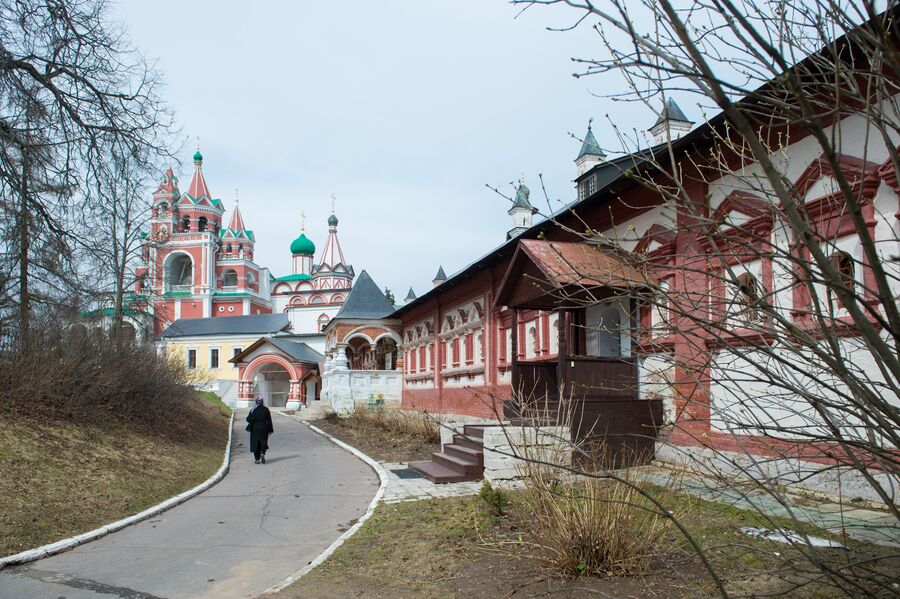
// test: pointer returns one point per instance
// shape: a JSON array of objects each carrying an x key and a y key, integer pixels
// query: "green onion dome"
[
  {"x": 303, "y": 246},
  {"x": 198, "y": 157},
  {"x": 332, "y": 221}
]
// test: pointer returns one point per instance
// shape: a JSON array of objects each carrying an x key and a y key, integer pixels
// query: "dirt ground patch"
[
  {"x": 60, "y": 478},
  {"x": 380, "y": 444},
  {"x": 455, "y": 548}
]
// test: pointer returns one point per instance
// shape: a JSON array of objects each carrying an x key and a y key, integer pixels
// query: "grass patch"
[
  {"x": 457, "y": 547},
  {"x": 386, "y": 434},
  {"x": 62, "y": 478}
]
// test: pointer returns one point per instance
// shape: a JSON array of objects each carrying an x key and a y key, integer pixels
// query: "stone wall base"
[
  {"x": 836, "y": 483},
  {"x": 507, "y": 448}
]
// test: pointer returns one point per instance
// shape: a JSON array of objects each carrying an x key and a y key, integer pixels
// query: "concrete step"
[
  {"x": 464, "y": 466},
  {"x": 437, "y": 473},
  {"x": 465, "y": 453}
]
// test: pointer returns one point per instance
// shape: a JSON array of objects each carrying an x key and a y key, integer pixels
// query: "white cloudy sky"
[{"x": 403, "y": 108}]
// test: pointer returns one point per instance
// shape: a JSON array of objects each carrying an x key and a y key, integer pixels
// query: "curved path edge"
[
  {"x": 64, "y": 545},
  {"x": 382, "y": 476}
]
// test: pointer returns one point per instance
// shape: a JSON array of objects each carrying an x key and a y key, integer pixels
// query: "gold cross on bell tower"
[
  {"x": 333, "y": 200},
  {"x": 303, "y": 222}
]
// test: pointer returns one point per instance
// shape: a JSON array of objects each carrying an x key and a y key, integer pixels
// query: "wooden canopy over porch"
[{"x": 594, "y": 378}]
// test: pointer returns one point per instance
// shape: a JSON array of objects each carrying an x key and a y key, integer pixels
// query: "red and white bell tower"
[{"x": 195, "y": 268}]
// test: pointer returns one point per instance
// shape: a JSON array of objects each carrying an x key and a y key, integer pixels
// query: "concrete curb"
[
  {"x": 64, "y": 545},
  {"x": 382, "y": 476}
]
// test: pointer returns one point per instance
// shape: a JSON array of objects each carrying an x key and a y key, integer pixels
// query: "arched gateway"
[{"x": 284, "y": 373}]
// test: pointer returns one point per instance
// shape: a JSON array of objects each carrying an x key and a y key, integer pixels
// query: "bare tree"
[
  {"x": 73, "y": 93},
  {"x": 773, "y": 261}
]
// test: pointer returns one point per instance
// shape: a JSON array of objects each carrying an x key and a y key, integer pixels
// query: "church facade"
[{"x": 208, "y": 301}]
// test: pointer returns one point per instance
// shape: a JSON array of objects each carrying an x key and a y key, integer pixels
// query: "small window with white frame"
[
  {"x": 235, "y": 352},
  {"x": 214, "y": 357},
  {"x": 191, "y": 359}
]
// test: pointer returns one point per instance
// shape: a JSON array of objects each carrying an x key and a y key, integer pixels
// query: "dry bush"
[
  {"x": 412, "y": 425},
  {"x": 593, "y": 526},
  {"x": 93, "y": 378},
  {"x": 590, "y": 520}
]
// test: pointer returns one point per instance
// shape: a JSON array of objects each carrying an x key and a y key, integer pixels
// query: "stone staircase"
[{"x": 461, "y": 460}]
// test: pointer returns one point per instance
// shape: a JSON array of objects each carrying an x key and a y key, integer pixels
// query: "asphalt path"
[{"x": 255, "y": 528}]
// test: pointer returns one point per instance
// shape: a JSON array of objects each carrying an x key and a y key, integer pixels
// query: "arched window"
[
  {"x": 186, "y": 223},
  {"x": 227, "y": 249},
  {"x": 317, "y": 299},
  {"x": 323, "y": 322},
  {"x": 163, "y": 208},
  {"x": 179, "y": 272},
  {"x": 229, "y": 278},
  {"x": 845, "y": 266},
  {"x": 202, "y": 223},
  {"x": 746, "y": 305}
]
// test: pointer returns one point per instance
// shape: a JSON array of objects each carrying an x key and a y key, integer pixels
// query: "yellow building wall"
[{"x": 227, "y": 371}]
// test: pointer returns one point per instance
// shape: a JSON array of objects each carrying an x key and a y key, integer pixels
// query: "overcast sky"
[{"x": 403, "y": 109}]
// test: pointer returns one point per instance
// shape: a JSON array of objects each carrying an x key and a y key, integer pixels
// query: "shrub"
[
  {"x": 497, "y": 499},
  {"x": 93, "y": 378},
  {"x": 593, "y": 526},
  {"x": 413, "y": 425}
]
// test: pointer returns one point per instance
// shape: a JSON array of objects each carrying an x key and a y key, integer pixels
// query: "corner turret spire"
[
  {"x": 198, "y": 188},
  {"x": 590, "y": 154},
  {"x": 440, "y": 277},
  {"x": 671, "y": 123},
  {"x": 521, "y": 210}
]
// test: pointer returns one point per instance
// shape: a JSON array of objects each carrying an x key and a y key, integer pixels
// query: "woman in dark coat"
[{"x": 259, "y": 423}]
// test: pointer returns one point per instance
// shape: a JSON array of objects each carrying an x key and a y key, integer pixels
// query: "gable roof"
[
  {"x": 565, "y": 267},
  {"x": 366, "y": 301},
  {"x": 256, "y": 324},
  {"x": 298, "y": 351}
]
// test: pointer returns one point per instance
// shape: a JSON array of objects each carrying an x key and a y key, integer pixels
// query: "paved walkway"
[
  {"x": 255, "y": 528},
  {"x": 867, "y": 525}
]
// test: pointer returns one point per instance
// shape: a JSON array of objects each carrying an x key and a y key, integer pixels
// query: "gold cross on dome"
[
  {"x": 522, "y": 178},
  {"x": 198, "y": 143},
  {"x": 236, "y": 199},
  {"x": 302, "y": 222},
  {"x": 333, "y": 200}
]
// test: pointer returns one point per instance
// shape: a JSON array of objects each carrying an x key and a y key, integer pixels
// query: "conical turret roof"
[
  {"x": 671, "y": 112},
  {"x": 589, "y": 146}
]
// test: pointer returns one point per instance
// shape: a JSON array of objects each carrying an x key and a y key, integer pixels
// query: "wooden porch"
[{"x": 592, "y": 386}]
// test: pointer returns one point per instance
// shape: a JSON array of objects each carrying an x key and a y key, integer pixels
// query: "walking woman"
[{"x": 259, "y": 423}]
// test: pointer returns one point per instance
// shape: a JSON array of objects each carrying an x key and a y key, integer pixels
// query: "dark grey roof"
[
  {"x": 365, "y": 301},
  {"x": 440, "y": 276},
  {"x": 671, "y": 112},
  {"x": 411, "y": 295},
  {"x": 257, "y": 324},
  {"x": 298, "y": 350}
]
